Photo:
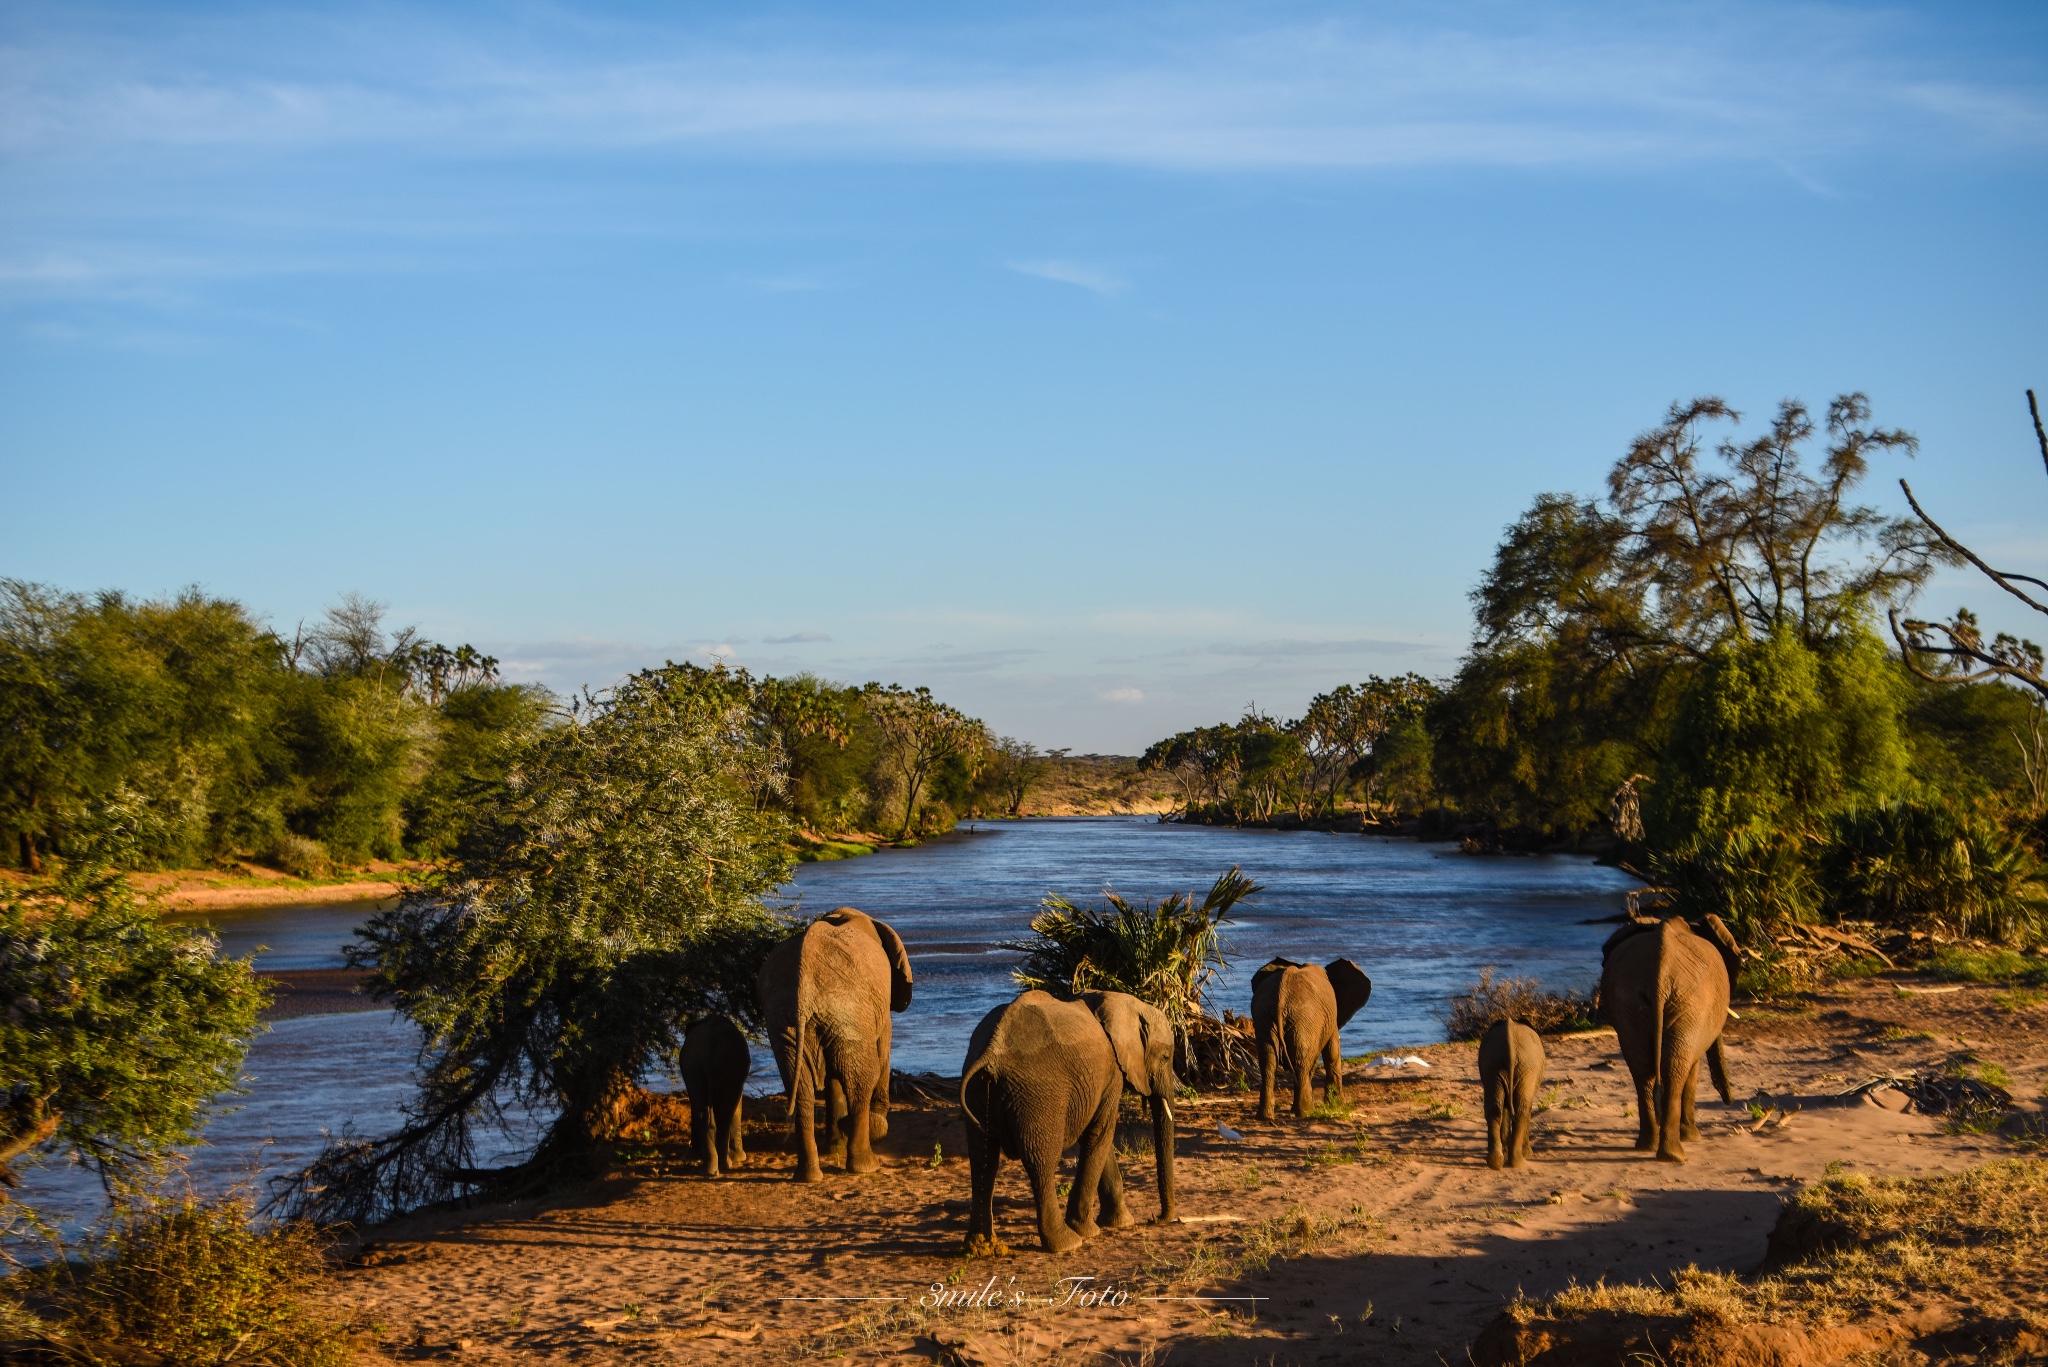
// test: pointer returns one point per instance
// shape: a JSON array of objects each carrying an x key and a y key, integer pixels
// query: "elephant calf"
[
  {"x": 715, "y": 1063},
  {"x": 1297, "y": 1010},
  {"x": 1043, "y": 1075},
  {"x": 1510, "y": 1070}
]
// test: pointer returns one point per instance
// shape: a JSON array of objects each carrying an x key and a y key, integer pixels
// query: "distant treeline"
[
  {"x": 205, "y": 736},
  {"x": 1690, "y": 669}
]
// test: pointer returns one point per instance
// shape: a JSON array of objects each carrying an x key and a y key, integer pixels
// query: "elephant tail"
[
  {"x": 1717, "y": 1064},
  {"x": 798, "y": 1077},
  {"x": 966, "y": 1105}
]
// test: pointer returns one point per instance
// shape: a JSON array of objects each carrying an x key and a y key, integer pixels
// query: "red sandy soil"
[{"x": 1379, "y": 1238}]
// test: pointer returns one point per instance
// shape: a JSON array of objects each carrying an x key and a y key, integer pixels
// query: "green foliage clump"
[
  {"x": 231, "y": 740},
  {"x": 1946, "y": 867},
  {"x": 604, "y": 892},
  {"x": 1165, "y": 954},
  {"x": 117, "y": 1030},
  {"x": 1358, "y": 738},
  {"x": 180, "y": 1281},
  {"x": 1960, "y": 964}
]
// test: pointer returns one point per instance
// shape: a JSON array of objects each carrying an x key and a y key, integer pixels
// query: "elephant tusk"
[{"x": 1731, "y": 1014}]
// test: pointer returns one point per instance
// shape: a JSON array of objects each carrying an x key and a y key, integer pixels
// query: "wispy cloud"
[
  {"x": 1123, "y": 695},
  {"x": 801, "y": 638},
  {"x": 1072, "y": 273},
  {"x": 1518, "y": 89}
]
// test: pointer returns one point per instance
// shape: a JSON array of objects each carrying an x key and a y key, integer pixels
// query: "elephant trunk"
[{"x": 1162, "y": 1150}]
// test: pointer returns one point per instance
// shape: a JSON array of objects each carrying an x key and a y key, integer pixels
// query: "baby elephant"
[
  {"x": 715, "y": 1063},
  {"x": 1510, "y": 1070}
]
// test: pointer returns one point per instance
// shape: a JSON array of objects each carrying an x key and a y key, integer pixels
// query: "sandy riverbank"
[{"x": 1379, "y": 1238}]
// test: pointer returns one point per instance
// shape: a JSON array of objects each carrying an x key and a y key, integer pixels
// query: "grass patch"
[
  {"x": 1330, "y": 1108},
  {"x": 183, "y": 1281},
  {"x": 2020, "y": 998},
  {"x": 1852, "y": 1247},
  {"x": 1857, "y": 968},
  {"x": 1957, "y": 964},
  {"x": 1468, "y": 1013}
]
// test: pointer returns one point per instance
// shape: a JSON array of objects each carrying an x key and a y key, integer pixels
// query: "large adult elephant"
[
  {"x": 827, "y": 993},
  {"x": 1297, "y": 1010},
  {"x": 1665, "y": 990},
  {"x": 1043, "y": 1075}
]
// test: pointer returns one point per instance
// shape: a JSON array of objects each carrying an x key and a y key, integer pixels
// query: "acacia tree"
[
  {"x": 118, "y": 1031},
  {"x": 923, "y": 734},
  {"x": 608, "y": 889},
  {"x": 1340, "y": 729}
]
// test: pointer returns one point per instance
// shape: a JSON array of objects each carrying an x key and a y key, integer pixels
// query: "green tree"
[
  {"x": 922, "y": 735},
  {"x": 605, "y": 891},
  {"x": 119, "y": 1030}
]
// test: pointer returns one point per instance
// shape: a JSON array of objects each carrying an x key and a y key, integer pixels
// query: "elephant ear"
[
  {"x": 899, "y": 966},
  {"x": 1123, "y": 1020},
  {"x": 1724, "y": 940},
  {"x": 1352, "y": 987},
  {"x": 1633, "y": 927}
]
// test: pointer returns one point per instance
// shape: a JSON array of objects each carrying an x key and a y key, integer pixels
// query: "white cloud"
[
  {"x": 801, "y": 638},
  {"x": 1071, "y": 273},
  {"x": 1124, "y": 695}
]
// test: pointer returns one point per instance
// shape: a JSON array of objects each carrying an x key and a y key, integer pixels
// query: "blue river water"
[{"x": 1420, "y": 919}]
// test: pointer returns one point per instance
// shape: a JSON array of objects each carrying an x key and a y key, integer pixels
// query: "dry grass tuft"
[
  {"x": 1467, "y": 1014},
  {"x": 183, "y": 1281},
  {"x": 1852, "y": 1248}
]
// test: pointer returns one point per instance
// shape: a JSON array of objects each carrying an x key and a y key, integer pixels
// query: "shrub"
[
  {"x": 182, "y": 1281},
  {"x": 1164, "y": 955},
  {"x": 1490, "y": 999},
  {"x": 1936, "y": 867},
  {"x": 300, "y": 857}
]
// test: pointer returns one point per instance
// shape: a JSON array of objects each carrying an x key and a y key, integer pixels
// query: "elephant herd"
[{"x": 1044, "y": 1075}]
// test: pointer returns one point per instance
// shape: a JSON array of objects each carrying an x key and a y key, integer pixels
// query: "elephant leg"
[
  {"x": 805, "y": 1120},
  {"x": 1268, "y": 1061},
  {"x": 835, "y": 1119},
  {"x": 1525, "y": 1114},
  {"x": 1496, "y": 1122},
  {"x": 703, "y": 1143},
  {"x": 1042, "y": 1165},
  {"x": 878, "y": 1111},
  {"x": 984, "y": 1157},
  {"x": 1333, "y": 1072},
  {"x": 860, "y": 1153},
  {"x": 1646, "y": 1114},
  {"x": 1114, "y": 1210},
  {"x": 1671, "y": 1098},
  {"x": 1689, "y": 1128},
  {"x": 1304, "y": 1061},
  {"x": 1096, "y": 1152},
  {"x": 730, "y": 1129}
]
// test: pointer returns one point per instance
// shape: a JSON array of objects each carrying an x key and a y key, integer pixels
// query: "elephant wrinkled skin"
[
  {"x": 1666, "y": 992},
  {"x": 1297, "y": 1010},
  {"x": 1510, "y": 1071},
  {"x": 715, "y": 1063},
  {"x": 827, "y": 993},
  {"x": 1042, "y": 1075}
]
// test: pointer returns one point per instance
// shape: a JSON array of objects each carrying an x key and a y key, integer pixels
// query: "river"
[{"x": 1421, "y": 919}]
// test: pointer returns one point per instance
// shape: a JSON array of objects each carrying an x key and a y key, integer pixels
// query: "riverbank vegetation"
[
  {"x": 1687, "y": 673},
  {"x": 224, "y": 741}
]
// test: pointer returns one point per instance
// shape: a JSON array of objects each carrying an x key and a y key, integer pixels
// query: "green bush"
[
  {"x": 1935, "y": 866},
  {"x": 180, "y": 1281},
  {"x": 1164, "y": 955}
]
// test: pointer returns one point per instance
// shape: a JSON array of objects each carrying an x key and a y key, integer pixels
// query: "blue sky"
[{"x": 1106, "y": 368}]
